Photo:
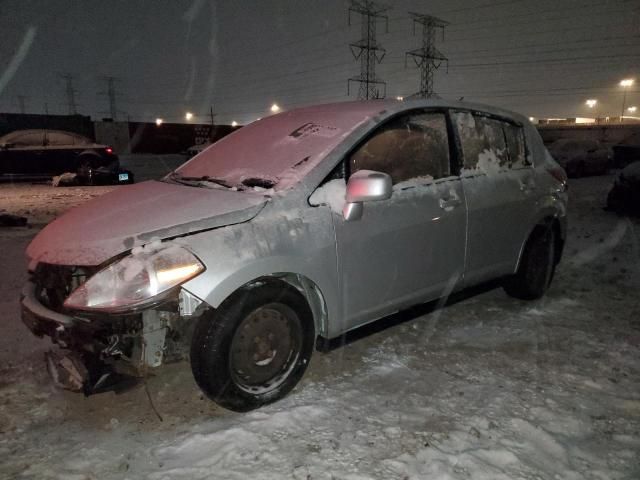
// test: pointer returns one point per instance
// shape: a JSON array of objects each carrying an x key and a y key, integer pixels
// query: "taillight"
[
  {"x": 109, "y": 150},
  {"x": 560, "y": 175}
]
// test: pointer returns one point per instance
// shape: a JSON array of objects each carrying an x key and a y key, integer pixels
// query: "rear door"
[
  {"x": 411, "y": 247},
  {"x": 499, "y": 186}
]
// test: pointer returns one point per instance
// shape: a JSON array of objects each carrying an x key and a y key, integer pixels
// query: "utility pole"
[
  {"x": 427, "y": 58},
  {"x": 110, "y": 93},
  {"x": 22, "y": 99},
  {"x": 71, "y": 94},
  {"x": 213, "y": 115},
  {"x": 367, "y": 49}
]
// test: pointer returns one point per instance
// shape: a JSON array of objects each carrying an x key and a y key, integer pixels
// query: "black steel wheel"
[
  {"x": 536, "y": 268},
  {"x": 85, "y": 171},
  {"x": 254, "y": 348}
]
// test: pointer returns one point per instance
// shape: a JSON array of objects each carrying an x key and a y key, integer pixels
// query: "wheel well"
[
  {"x": 558, "y": 240},
  {"x": 547, "y": 222},
  {"x": 309, "y": 291},
  {"x": 554, "y": 224}
]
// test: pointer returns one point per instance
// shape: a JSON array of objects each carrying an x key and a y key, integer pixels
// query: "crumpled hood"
[{"x": 134, "y": 215}]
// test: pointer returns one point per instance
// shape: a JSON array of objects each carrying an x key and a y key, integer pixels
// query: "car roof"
[
  {"x": 282, "y": 148},
  {"x": 12, "y": 137},
  {"x": 371, "y": 108}
]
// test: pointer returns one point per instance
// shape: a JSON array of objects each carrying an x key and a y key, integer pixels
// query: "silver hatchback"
[{"x": 301, "y": 226}]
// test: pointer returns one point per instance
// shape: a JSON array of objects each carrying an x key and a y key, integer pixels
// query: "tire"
[
  {"x": 536, "y": 268},
  {"x": 254, "y": 348},
  {"x": 85, "y": 171}
]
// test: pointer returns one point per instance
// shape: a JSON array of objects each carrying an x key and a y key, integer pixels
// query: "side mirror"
[{"x": 365, "y": 186}]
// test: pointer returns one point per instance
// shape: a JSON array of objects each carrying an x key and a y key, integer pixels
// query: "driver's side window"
[{"x": 407, "y": 147}]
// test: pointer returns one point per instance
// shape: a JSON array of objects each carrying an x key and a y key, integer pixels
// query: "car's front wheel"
[
  {"x": 254, "y": 348},
  {"x": 536, "y": 268}
]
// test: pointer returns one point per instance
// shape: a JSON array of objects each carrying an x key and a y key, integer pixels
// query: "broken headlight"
[{"x": 135, "y": 280}]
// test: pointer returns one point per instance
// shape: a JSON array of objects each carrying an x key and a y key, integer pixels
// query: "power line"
[
  {"x": 367, "y": 49},
  {"x": 427, "y": 58}
]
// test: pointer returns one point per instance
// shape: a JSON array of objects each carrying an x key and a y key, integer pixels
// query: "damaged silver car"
[{"x": 303, "y": 225}]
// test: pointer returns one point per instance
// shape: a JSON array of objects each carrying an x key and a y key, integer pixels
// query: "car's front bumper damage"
[{"x": 100, "y": 352}]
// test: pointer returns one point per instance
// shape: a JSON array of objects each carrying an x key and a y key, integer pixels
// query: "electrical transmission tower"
[
  {"x": 427, "y": 58},
  {"x": 71, "y": 94},
  {"x": 367, "y": 49},
  {"x": 111, "y": 95}
]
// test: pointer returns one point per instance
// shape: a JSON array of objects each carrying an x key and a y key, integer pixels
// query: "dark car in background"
[
  {"x": 624, "y": 196},
  {"x": 37, "y": 154},
  {"x": 581, "y": 158}
]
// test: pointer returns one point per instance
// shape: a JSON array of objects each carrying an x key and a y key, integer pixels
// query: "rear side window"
[
  {"x": 411, "y": 146},
  {"x": 488, "y": 144}
]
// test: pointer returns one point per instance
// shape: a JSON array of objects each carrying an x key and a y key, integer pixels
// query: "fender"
[{"x": 551, "y": 212}]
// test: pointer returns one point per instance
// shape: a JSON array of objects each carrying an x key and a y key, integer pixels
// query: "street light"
[
  {"x": 625, "y": 84},
  {"x": 632, "y": 109},
  {"x": 188, "y": 115},
  {"x": 400, "y": 98},
  {"x": 234, "y": 124},
  {"x": 275, "y": 108},
  {"x": 159, "y": 121}
]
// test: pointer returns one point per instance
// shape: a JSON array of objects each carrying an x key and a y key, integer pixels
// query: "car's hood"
[{"x": 134, "y": 215}]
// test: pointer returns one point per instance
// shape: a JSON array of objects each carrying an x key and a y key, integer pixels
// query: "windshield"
[{"x": 279, "y": 150}]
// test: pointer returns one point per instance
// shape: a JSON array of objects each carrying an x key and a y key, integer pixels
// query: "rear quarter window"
[{"x": 489, "y": 144}]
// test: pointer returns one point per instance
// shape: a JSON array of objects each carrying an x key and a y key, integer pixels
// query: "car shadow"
[{"x": 404, "y": 316}]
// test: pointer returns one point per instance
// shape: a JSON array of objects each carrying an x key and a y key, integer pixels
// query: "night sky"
[{"x": 541, "y": 58}]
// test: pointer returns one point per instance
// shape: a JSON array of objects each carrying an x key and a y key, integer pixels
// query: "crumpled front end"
[{"x": 104, "y": 351}]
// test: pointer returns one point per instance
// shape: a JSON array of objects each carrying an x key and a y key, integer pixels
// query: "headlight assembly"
[{"x": 135, "y": 280}]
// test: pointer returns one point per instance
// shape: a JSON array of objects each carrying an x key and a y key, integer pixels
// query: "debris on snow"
[{"x": 66, "y": 179}]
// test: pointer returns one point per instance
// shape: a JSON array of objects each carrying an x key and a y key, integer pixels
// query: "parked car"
[
  {"x": 306, "y": 224},
  {"x": 36, "y": 154},
  {"x": 580, "y": 158},
  {"x": 624, "y": 196},
  {"x": 194, "y": 150}
]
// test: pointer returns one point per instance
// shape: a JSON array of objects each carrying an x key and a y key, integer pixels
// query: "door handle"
[{"x": 451, "y": 202}]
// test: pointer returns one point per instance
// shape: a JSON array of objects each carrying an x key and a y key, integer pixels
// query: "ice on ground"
[{"x": 486, "y": 388}]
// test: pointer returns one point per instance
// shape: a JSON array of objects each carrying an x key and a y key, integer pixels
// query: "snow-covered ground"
[{"x": 487, "y": 387}]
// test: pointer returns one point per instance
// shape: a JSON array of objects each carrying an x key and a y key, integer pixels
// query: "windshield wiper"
[{"x": 198, "y": 181}]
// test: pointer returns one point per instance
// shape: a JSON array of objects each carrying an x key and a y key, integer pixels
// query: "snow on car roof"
[
  {"x": 44, "y": 136},
  {"x": 282, "y": 148},
  {"x": 272, "y": 147}
]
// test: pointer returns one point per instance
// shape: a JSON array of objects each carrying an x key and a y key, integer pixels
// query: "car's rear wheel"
[
  {"x": 536, "y": 268},
  {"x": 85, "y": 171},
  {"x": 254, "y": 348}
]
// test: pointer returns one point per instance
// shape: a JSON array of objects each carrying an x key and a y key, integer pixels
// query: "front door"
[{"x": 411, "y": 247}]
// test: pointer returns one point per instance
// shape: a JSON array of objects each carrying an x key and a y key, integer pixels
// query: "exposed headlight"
[{"x": 135, "y": 280}]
